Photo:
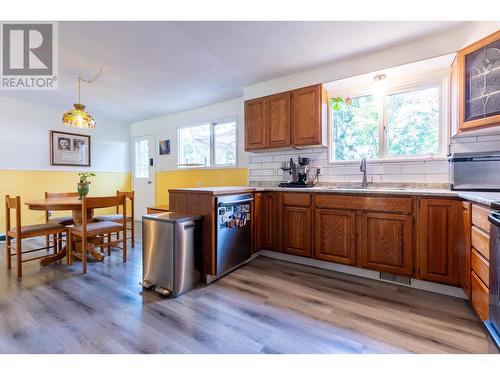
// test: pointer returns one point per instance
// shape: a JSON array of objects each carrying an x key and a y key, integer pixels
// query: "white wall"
[
  {"x": 436, "y": 45},
  {"x": 165, "y": 127},
  {"x": 24, "y": 139}
]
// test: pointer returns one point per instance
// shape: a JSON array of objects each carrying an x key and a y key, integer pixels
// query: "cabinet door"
[
  {"x": 335, "y": 236},
  {"x": 465, "y": 247},
  {"x": 387, "y": 242},
  {"x": 453, "y": 95},
  {"x": 256, "y": 222},
  {"x": 268, "y": 221},
  {"x": 479, "y": 94},
  {"x": 278, "y": 120},
  {"x": 255, "y": 124},
  {"x": 438, "y": 240},
  {"x": 306, "y": 116},
  {"x": 296, "y": 230}
]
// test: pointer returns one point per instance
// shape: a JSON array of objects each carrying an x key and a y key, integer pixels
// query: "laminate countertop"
[
  {"x": 480, "y": 197},
  {"x": 216, "y": 190}
]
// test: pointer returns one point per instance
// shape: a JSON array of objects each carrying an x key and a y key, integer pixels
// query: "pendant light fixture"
[{"x": 78, "y": 117}]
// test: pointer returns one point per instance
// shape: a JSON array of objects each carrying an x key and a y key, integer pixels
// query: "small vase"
[{"x": 83, "y": 189}]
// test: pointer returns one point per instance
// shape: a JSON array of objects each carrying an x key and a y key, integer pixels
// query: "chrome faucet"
[{"x": 362, "y": 168}]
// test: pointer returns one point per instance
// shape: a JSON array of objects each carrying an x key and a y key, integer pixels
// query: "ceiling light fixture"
[
  {"x": 78, "y": 117},
  {"x": 380, "y": 85}
]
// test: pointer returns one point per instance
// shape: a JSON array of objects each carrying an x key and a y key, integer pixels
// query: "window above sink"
[{"x": 406, "y": 120}]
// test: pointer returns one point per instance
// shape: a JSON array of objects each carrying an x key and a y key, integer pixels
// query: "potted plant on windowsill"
[{"x": 83, "y": 185}]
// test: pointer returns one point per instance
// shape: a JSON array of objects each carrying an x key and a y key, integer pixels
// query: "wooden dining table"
[{"x": 73, "y": 204}]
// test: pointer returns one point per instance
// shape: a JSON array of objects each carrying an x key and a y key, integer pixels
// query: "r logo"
[{"x": 27, "y": 49}]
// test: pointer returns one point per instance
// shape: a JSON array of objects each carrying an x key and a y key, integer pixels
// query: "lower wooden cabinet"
[
  {"x": 438, "y": 240},
  {"x": 479, "y": 296},
  {"x": 335, "y": 236},
  {"x": 268, "y": 222},
  {"x": 386, "y": 242},
  {"x": 296, "y": 230},
  {"x": 464, "y": 261}
]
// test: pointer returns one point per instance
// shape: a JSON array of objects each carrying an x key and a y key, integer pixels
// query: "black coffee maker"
[
  {"x": 302, "y": 171},
  {"x": 299, "y": 174}
]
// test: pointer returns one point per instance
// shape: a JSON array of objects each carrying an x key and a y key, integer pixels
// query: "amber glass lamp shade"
[{"x": 78, "y": 118}]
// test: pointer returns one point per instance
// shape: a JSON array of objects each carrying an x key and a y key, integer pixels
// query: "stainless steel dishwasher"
[
  {"x": 233, "y": 232},
  {"x": 171, "y": 257}
]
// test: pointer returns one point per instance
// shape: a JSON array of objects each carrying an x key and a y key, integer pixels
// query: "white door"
[{"x": 143, "y": 173}]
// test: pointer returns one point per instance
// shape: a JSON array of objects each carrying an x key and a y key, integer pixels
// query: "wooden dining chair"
[
  {"x": 118, "y": 217},
  {"x": 65, "y": 220},
  {"x": 19, "y": 233},
  {"x": 94, "y": 234}
]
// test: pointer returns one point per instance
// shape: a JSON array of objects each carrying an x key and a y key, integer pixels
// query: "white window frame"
[
  {"x": 212, "y": 124},
  {"x": 442, "y": 82}
]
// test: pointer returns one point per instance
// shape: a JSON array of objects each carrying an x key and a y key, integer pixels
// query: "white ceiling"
[{"x": 157, "y": 68}]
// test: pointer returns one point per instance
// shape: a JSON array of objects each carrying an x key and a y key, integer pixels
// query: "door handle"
[{"x": 149, "y": 182}]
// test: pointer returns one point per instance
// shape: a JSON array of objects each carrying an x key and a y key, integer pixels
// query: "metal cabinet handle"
[{"x": 235, "y": 202}]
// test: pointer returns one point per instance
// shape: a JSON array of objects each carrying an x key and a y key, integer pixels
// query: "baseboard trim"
[{"x": 369, "y": 274}]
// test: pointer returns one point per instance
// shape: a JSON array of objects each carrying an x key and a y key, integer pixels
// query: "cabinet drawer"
[
  {"x": 297, "y": 199},
  {"x": 480, "y": 218},
  {"x": 367, "y": 203},
  {"x": 479, "y": 296},
  {"x": 481, "y": 242},
  {"x": 481, "y": 267}
]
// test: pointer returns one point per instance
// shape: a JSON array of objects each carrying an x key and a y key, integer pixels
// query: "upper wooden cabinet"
[
  {"x": 256, "y": 134},
  {"x": 308, "y": 105},
  {"x": 294, "y": 118},
  {"x": 475, "y": 86},
  {"x": 278, "y": 120},
  {"x": 438, "y": 240}
]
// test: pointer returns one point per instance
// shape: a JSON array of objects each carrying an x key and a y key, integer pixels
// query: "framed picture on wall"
[
  {"x": 69, "y": 149},
  {"x": 165, "y": 147}
]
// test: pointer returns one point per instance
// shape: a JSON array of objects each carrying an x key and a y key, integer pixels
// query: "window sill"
[
  {"x": 388, "y": 161},
  {"x": 207, "y": 168}
]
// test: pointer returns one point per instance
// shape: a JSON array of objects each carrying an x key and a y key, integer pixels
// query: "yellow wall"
[
  {"x": 193, "y": 177},
  {"x": 30, "y": 185}
]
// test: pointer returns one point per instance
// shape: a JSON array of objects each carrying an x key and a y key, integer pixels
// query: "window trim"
[
  {"x": 212, "y": 124},
  {"x": 442, "y": 82}
]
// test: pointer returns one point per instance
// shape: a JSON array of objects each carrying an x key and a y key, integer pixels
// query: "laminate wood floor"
[{"x": 267, "y": 306}]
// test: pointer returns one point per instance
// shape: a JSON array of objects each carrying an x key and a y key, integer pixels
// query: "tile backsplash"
[{"x": 265, "y": 166}]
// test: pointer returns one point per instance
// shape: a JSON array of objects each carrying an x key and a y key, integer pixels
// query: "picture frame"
[
  {"x": 69, "y": 149},
  {"x": 165, "y": 147}
]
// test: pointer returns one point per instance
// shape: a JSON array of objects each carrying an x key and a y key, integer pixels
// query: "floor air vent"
[{"x": 404, "y": 280}]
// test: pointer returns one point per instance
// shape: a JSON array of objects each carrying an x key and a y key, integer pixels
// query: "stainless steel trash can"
[{"x": 171, "y": 258}]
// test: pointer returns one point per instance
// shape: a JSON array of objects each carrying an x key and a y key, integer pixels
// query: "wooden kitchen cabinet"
[
  {"x": 278, "y": 120},
  {"x": 479, "y": 297},
  {"x": 465, "y": 248},
  {"x": 296, "y": 118},
  {"x": 386, "y": 242},
  {"x": 256, "y": 129},
  {"x": 267, "y": 225},
  {"x": 475, "y": 98},
  {"x": 296, "y": 230},
  {"x": 309, "y": 110},
  {"x": 438, "y": 240},
  {"x": 335, "y": 236}
]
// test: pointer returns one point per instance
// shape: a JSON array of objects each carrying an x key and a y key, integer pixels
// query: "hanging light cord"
[{"x": 80, "y": 79}]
